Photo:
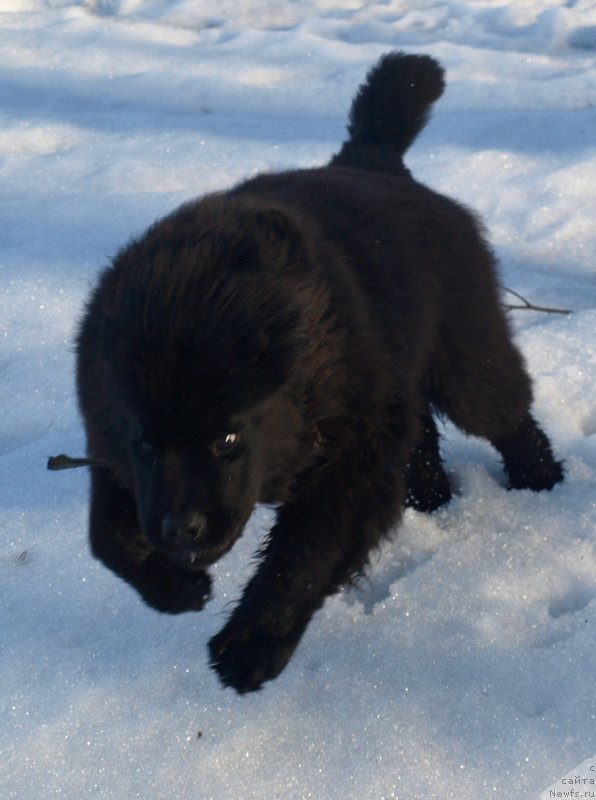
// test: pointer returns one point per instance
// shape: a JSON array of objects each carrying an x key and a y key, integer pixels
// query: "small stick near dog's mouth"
[
  {"x": 527, "y": 306},
  {"x": 62, "y": 461}
]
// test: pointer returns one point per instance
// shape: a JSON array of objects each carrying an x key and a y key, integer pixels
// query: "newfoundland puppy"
[{"x": 287, "y": 341}]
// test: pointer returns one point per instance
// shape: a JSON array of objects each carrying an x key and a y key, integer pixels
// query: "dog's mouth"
[
  {"x": 199, "y": 555},
  {"x": 190, "y": 561},
  {"x": 196, "y": 560}
]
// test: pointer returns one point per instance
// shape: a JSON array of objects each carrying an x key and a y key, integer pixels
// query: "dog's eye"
[{"x": 225, "y": 445}]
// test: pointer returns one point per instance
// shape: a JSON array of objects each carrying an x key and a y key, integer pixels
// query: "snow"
[{"x": 463, "y": 666}]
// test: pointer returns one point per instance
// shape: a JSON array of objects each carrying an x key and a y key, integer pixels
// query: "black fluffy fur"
[
  {"x": 287, "y": 342},
  {"x": 389, "y": 111}
]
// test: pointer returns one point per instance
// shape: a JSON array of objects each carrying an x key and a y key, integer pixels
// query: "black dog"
[{"x": 286, "y": 342}]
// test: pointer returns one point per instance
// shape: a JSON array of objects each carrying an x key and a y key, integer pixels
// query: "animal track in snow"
[
  {"x": 378, "y": 589},
  {"x": 576, "y": 599}
]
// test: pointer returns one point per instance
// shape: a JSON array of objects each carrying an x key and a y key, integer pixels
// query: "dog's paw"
[
  {"x": 539, "y": 477},
  {"x": 427, "y": 483},
  {"x": 172, "y": 590},
  {"x": 245, "y": 659},
  {"x": 429, "y": 497}
]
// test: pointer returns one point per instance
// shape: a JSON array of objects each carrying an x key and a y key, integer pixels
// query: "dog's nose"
[{"x": 183, "y": 529}]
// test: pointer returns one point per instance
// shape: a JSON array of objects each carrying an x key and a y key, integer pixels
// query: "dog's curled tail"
[{"x": 389, "y": 111}]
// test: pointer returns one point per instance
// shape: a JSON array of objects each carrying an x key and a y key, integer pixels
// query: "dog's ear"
[
  {"x": 266, "y": 238},
  {"x": 277, "y": 236},
  {"x": 241, "y": 255}
]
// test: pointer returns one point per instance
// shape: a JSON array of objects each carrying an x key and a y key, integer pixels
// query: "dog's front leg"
[{"x": 321, "y": 540}]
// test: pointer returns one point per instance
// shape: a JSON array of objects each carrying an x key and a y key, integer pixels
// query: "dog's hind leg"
[
  {"x": 528, "y": 457},
  {"x": 480, "y": 382},
  {"x": 427, "y": 484}
]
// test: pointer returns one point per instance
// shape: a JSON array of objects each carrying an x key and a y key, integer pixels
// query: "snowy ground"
[{"x": 464, "y": 666}]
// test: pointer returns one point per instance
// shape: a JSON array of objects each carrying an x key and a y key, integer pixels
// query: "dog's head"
[{"x": 211, "y": 333}]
